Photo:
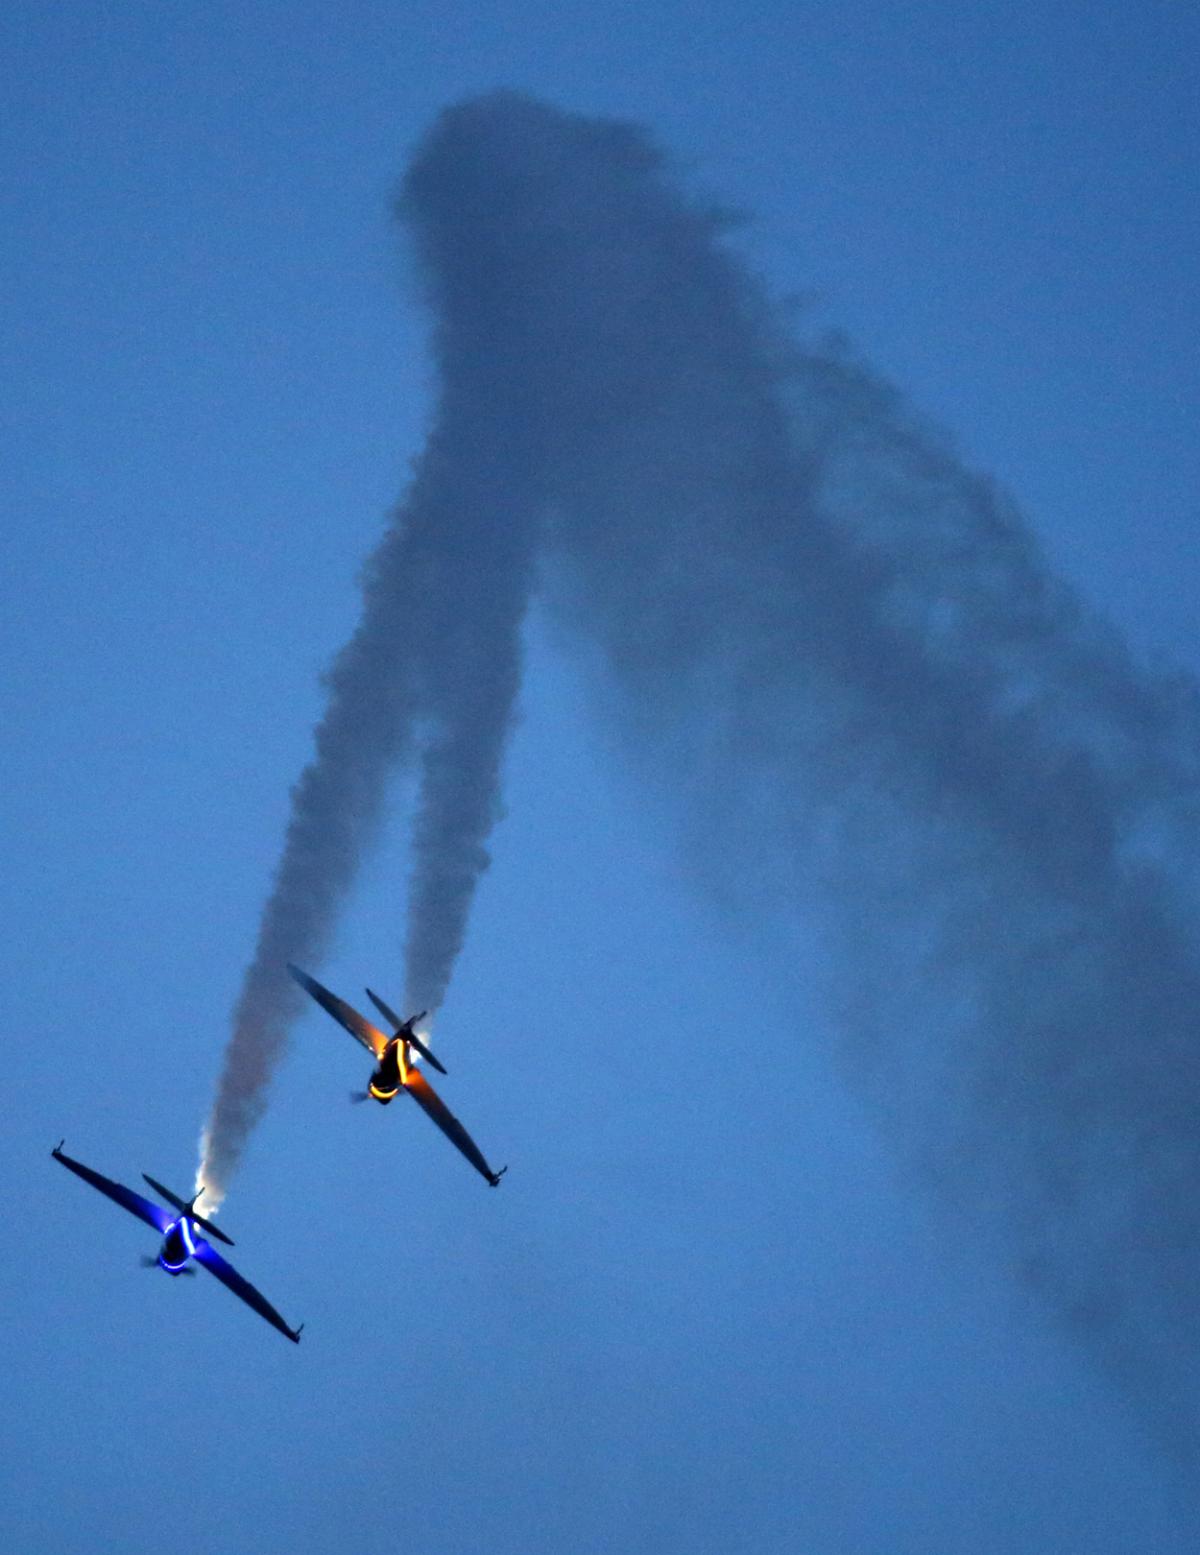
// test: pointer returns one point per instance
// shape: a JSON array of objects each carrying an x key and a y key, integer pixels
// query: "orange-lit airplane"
[{"x": 395, "y": 1066}]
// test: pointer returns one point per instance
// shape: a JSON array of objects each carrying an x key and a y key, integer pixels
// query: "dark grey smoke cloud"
[{"x": 847, "y": 656}]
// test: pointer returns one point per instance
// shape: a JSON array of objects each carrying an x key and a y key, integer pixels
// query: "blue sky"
[{"x": 708, "y": 1310}]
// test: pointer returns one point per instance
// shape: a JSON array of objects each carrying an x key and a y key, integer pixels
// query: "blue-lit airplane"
[
  {"x": 395, "y": 1067},
  {"x": 181, "y": 1238}
]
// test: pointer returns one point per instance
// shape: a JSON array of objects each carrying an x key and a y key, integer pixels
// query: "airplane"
[
  {"x": 395, "y": 1070},
  {"x": 181, "y": 1239}
]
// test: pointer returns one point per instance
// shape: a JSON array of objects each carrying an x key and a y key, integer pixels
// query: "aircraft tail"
[
  {"x": 404, "y": 1028},
  {"x": 188, "y": 1209}
]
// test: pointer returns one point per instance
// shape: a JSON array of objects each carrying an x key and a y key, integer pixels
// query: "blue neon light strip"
[{"x": 182, "y": 1225}]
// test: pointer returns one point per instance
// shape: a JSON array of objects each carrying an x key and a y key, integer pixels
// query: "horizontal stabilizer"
[
  {"x": 186, "y": 1209},
  {"x": 415, "y": 1041},
  {"x": 386, "y": 1011},
  {"x": 404, "y": 1028}
]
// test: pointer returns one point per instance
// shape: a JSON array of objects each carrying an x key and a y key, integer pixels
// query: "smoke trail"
[
  {"x": 846, "y": 654},
  {"x": 432, "y": 668}
]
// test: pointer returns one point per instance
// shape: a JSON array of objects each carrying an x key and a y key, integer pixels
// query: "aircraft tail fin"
[
  {"x": 188, "y": 1209},
  {"x": 404, "y": 1028}
]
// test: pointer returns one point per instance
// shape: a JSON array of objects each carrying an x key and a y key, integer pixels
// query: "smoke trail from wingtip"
[
  {"x": 335, "y": 808},
  {"x": 847, "y": 654},
  {"x": 430, "y": 675}
]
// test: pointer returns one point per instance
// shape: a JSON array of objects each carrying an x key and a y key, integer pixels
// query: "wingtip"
[{"x": 58, "y": 1147}]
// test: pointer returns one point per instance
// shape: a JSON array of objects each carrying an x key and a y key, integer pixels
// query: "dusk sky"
[{"x": 726, "y": 1299}]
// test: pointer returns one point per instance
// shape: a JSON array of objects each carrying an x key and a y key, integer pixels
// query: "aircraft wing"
[
  {"x": 153, "y": 1214},
  {"x": 207, "y": 1255},
  {"x": 345, "y": 1014},
  {"x": 419, "y": 1088}
]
